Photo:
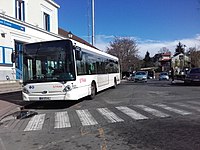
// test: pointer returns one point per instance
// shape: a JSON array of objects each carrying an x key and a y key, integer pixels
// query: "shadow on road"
[
  {"x": 16, "y": 98},
  {"x": 12, "y": 97},
  {"x": 51, "y": 104}
]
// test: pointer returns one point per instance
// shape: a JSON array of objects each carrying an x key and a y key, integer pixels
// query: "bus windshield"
[{"x": 48, "y": 62}]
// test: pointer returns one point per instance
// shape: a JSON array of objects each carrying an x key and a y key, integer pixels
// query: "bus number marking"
[{"x": 57, "y": 86}]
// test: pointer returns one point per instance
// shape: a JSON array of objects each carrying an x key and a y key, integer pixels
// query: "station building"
[{"x": 24, "y": 21}]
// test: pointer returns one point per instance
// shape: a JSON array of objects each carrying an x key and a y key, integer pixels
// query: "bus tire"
[{"x": 93, "y": 91}]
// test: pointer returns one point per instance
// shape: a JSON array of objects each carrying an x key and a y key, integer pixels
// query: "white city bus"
[{"x": 59, "y": 70}]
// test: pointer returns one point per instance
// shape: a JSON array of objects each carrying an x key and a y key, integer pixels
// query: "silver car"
[
  {"x": 140, "y": 76},
  {"x": 164, "y": 76}
]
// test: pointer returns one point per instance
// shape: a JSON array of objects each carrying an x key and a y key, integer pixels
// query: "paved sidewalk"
[
  {"x": 9, "y": 86},
  {"x": 7, "y": 107},
  {"x": 177, "y": 82}
]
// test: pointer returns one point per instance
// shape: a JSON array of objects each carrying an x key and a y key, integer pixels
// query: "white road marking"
[
  {"x": 131, "y": 113},
  {"x": 109, "y": 115},
  {"x": 35, "y": 123},
  {"x": 152, "y": 111},
  {"x": 86, "y": 118},
  {"x": 194, "y": 102},
  {"x": 178, "y": 111},
  {"x": 62, "y": 120},
  {"x": 188, "y": 106}
]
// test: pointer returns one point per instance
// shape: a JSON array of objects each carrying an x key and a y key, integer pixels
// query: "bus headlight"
[
  {"x": 67, "y": 88},
  {"x": 25, "y": 90}
]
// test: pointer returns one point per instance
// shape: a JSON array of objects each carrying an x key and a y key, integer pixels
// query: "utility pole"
[
  {"x": 92, "y": 22},
  {"x": 89, "y": 20}
]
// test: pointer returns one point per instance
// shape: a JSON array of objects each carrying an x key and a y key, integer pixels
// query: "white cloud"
[{"x": 152, "y": 46}]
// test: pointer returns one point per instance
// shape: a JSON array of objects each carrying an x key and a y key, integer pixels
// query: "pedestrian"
[{"x": 172, "y": 74}]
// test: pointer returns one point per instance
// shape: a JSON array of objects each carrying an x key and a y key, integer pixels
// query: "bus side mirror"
[{"x": 78, "y": 53}]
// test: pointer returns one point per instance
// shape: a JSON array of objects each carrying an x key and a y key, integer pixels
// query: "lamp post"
[
  {"x": 70, "y": 35},
  {"x": 184, "y": 55},
  {"x": 3, "y": 34},
  {"x": 93, "y": 17}
]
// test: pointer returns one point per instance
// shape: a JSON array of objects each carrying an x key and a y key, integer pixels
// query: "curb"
[
  {"x": 9, "y": 110},
  {"x": 10, "y": 91}
]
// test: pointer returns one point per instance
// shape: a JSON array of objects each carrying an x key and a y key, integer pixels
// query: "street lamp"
[
  {"x": 184, "y": 55},
  {"x": 70, "y": 35},
  {"x": 3, "y": 34}
]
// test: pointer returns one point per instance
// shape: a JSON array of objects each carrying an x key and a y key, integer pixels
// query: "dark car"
[{"x": 193, "y": 76}]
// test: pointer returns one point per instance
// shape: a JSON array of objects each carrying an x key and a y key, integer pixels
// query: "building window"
[
  {"x": 20, "y": 10},
  {"x": 46, "y": 22}
]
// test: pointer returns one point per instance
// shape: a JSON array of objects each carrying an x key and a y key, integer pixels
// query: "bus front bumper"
[{"x": 49, "y": 97}]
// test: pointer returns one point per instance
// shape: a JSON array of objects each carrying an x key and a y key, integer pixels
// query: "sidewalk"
[
  {"x": 9, "y": 86},
  {"x": 7, "y": 107},
  {"x": 177, "y": 82}
]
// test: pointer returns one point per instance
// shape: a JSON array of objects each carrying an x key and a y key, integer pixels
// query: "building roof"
[
  {"x": 176, "y": 54},
  {"x": 64, "y": 33},
  {"x": 166, "y": 54}
]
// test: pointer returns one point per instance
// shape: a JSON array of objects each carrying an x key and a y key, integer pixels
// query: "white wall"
[
  {"x": 34, "y": 10},
  {"x": 34, "y": 29},
  {"x": 39, "y": 7},
  {"x": 8, "y": 7}
]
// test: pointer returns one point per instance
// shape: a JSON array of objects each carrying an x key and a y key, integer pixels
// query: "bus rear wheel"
[{"x": 93, "y": 91}]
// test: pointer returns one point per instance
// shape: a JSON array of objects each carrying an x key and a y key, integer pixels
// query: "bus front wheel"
[{"x": 93, "y": 91}]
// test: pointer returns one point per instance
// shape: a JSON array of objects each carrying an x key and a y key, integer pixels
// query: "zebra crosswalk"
[
  {"x": 86, "y": 118},
  {"x": 152, "y": 111},
  {"x": 35, "y": 123},
  {"x": 62, "y": 120},
  {"x": 109, "y": 115},
  {"x": 117, "y": 114},
  {"x": 132, "y": 113},
  {"x": 175, "y": 110}
]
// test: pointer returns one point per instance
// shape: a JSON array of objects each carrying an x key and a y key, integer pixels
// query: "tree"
[
  {"x": 195, "y": 57},
  {"x": 147, "y": 61},
  {"x": 163, "y": 50},
  {"x": 180, "y": 49},
  {"x": 147, "y": 57},
  {"x": 126, "y": 50}
]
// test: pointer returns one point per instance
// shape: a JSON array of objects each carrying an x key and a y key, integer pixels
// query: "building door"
[{"x": 18, "y": 61}]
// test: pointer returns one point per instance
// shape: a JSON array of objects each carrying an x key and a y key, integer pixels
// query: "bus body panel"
[
  {"x": 69, "y": 86},
  {"x": 80, "y": 88}
]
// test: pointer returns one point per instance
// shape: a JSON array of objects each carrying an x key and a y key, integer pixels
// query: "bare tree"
[
  {"x": 127, "y": 52},
  {"x": 195, "y": 57},
  {"x": 163, "y": 50}
]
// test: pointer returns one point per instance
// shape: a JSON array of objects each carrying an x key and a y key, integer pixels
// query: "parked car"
[
  {"x": 193, "y": 76},
  {"x": 163, "y": 76},
  {"x": 140, "y": 76}
]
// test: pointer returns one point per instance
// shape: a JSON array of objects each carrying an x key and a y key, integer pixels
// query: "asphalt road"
[{"x": 134, "y": 116}]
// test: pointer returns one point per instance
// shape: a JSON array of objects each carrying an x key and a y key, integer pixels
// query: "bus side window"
[{"x": 78, "y": 53}]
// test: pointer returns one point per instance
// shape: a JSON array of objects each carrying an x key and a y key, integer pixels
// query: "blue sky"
[{"x": 152, "y": 23}]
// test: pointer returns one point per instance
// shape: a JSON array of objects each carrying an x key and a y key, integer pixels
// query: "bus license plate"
[{"x": 44, "y": 98}]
